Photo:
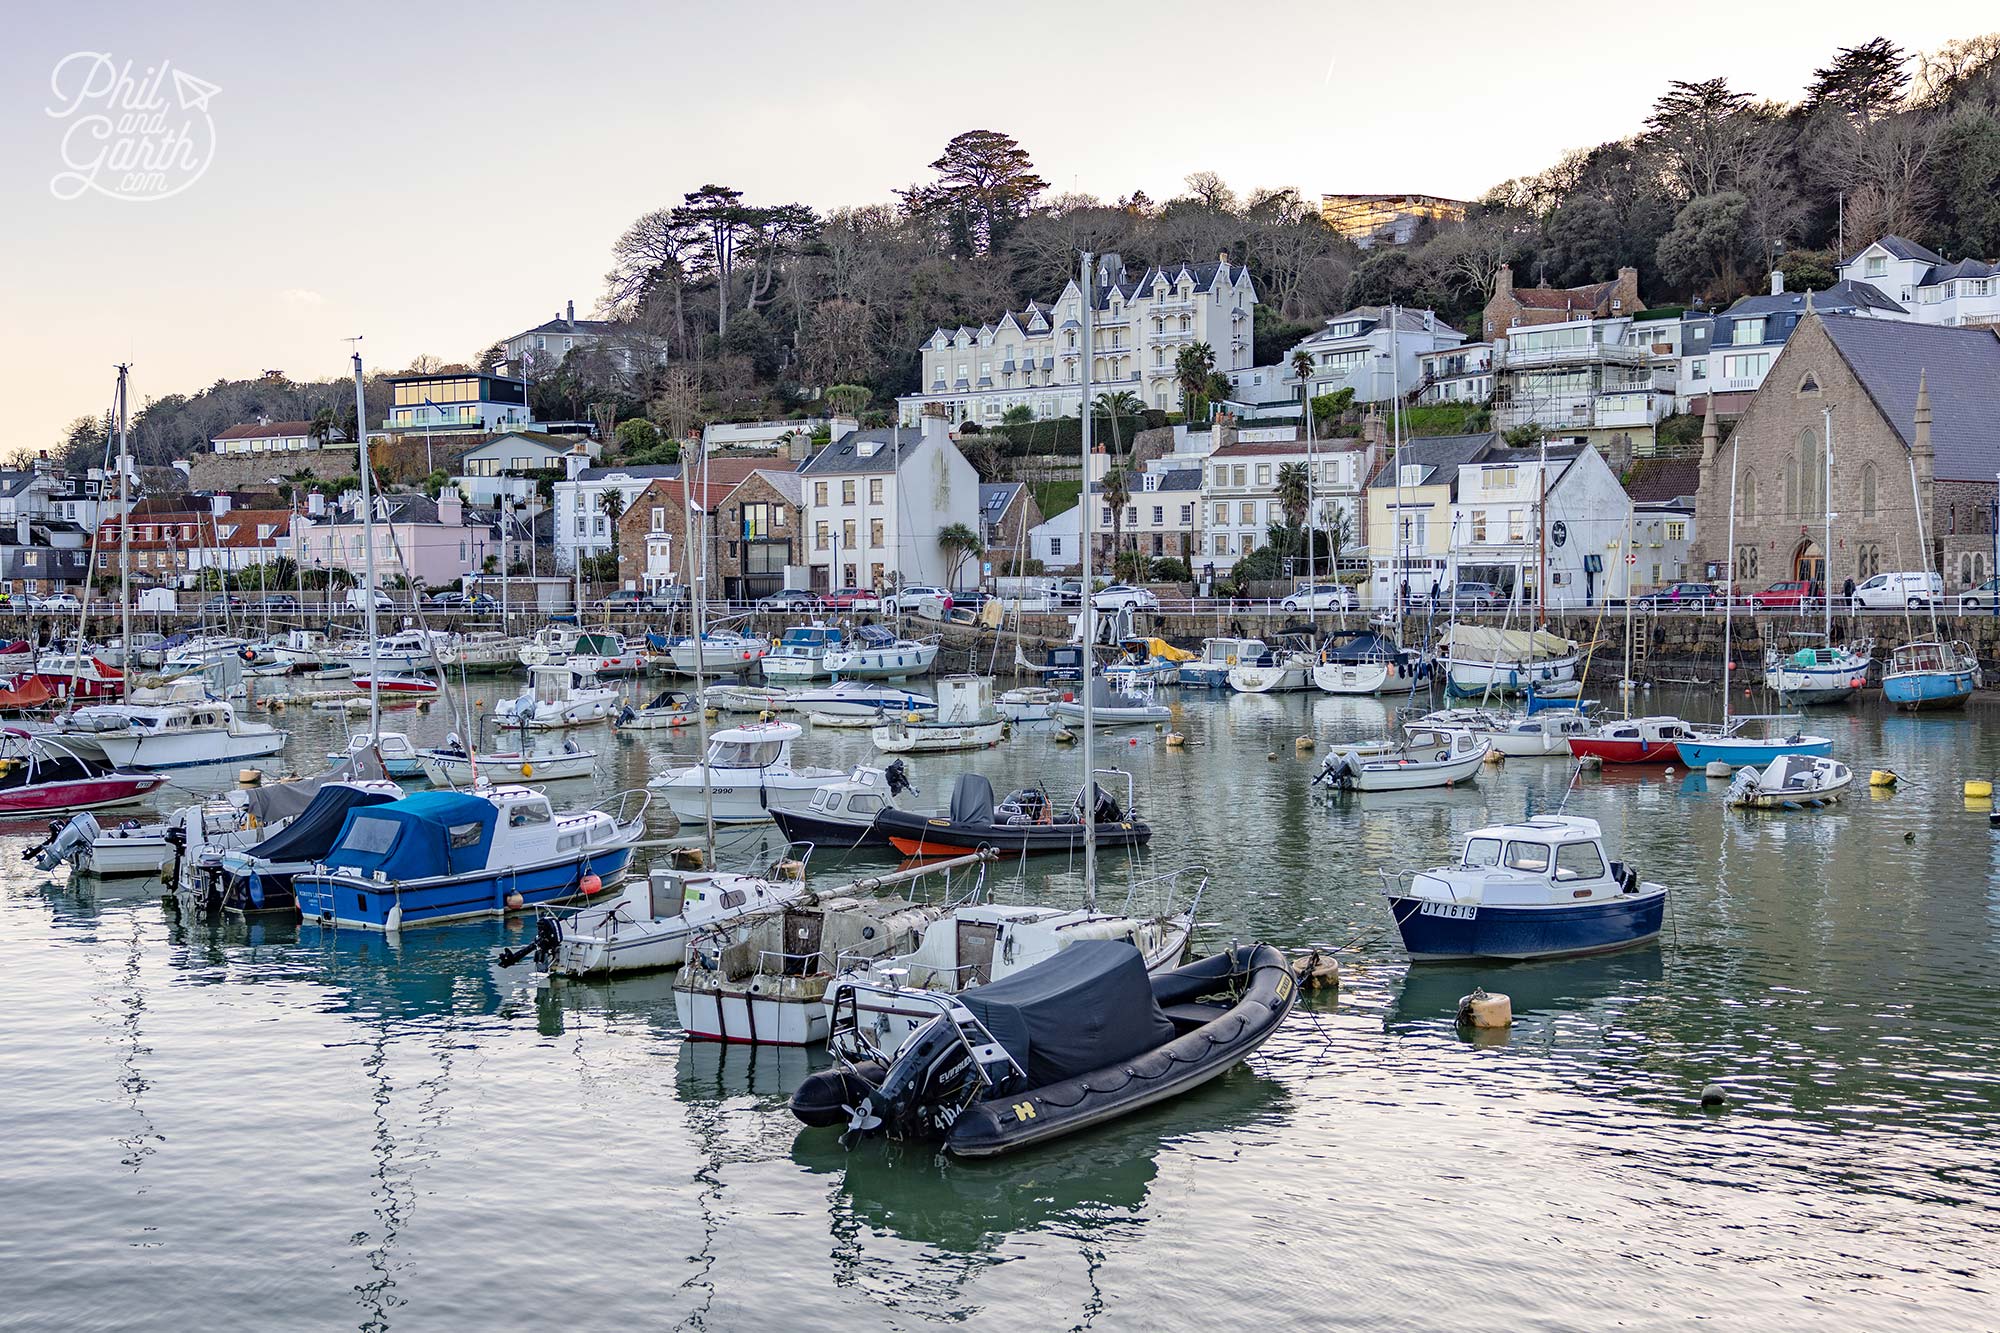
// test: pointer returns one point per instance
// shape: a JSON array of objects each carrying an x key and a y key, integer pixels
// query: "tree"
[
  {"x": 677, "y": 406},
  {"x": 1211, "y": 191},
  {"x": 1117, "y": 495},
  {"x": 1706, "y": 244},
  {"x": 1697, "y": 128},
  {"x": 1020, "y": 414},
  {"x": 322, "y": 427},
  {"x": 986, "y": 184},
  {"x": 1294, "y": 492},
  {"x": 718, "y": 216},
  {"x": 1966, "y": 171},
  {"x": 1302, "y": 368},
  {"x": 1192, "y": 367},
  {"x": 1865, "y": 81},
  {"x": 612, "y": 502},
  {"x": 958, "y": 544},
  {"x": 849, "y": 400},
  {"x": 652, "y": 264},
  {"x": 424, "y": 364},
  {"x": 492, "y": 358},
  {"x": 636, "y": 435}
]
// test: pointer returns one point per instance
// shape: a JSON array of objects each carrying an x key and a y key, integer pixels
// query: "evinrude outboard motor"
[
  {"x": 898, "y": 778},
  {"x": 937, "y": 1074},
  {"x": 67, "y": 841},
  {"x": 1746, "y": 782},
  {"x": 1337, "y": 772}
]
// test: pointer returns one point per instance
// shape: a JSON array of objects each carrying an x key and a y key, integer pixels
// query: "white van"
[
  {"x": 1893, "y": 592},
  {"x": 355, "y": 602}
]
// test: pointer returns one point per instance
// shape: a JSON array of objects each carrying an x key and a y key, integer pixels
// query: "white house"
[
  {"x": 1033, "y": 358},
  {"x": 499, "y": 467},
  {"x": 1502, "y": 534},
  {"x": 1240, "y": 492},
  {"x": 1373, "y": 350},
  {"x": 1162, "y": 512},
  {"x": 1582, "y": 380},
  {"x": 1058, "y": 542},
  {"x": 1461, "y": 374},
  {"x": 875, "y": 501},
  {"x": 541, "y": 349},
  {"x": 1923, "y": 282},
  {"x": 584, "y": 527}
]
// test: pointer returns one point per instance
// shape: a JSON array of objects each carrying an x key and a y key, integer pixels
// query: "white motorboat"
[
  {"x": 1539, "y": 735},
  {"x": 718, "y": 651},
  {"x": 731, "y": 697},
  {"x": 305, "y": 652},
  {"x": 450, "y": 765},
  {"x": 981, "y": 943},
  {"x": 965, "y": 720},
  {"x": 1280, "y": 670},
  {"x": 749, "y": 770},
  {"x": 605, "y": 654},
  {"x": 148, "y": 651},
  {"x": 1791, "y": 782},
  {"x": 1426, "y": 757},
  {"x": 1112, "y": 709},
  {"x": 558, "y": 696},
  {"x": 483, "y": 650},
  {"x": 668, "y": 709},
  {"x": 187, "y": 734},
  {"x": 860, "y": 699},
  {"x": 202, "y": 650},
  {"x": 841, "y": 815},
  {"x": 875, "y": 653},
  {"x": 406, "y": 652},
  {"x": 1365, "y": 663},
  {"x": 1481, "y": 659},
  {"x": 390, "y": 749},
  {"x": 1211, "y": 669},
  {"x": 647, "y": 926},
  {"x": 801, "y": 654},
  {"x": 128, "y": 848},
  {"x": 1030, "y": 703}
]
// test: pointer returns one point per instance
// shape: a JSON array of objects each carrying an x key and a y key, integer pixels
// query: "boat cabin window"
[
  {"x": 1531, "y": 856},
  {"x": 528, "y": 812},
  {"x": 550, "y": 687},
  {"x": 745, "y": 754},
  {"x": 864, "y": 805},
  {"x": 1579, "y": 860},
  {"x": 823, "y": 799},
  {"x": 732, "y": 898},
  {"x": 369, "y": 834},
  {"x": 465, "y": 835},
  {"x": 1482, "y": 852}
]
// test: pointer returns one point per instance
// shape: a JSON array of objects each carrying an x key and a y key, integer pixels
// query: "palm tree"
[
  {"x": 1294, "y": 492},
  {"x": 1192, "y": 368},
  {"x": 1116, "y": 494},
  {"x": 322, "y": 426},
  {"x": 959, "y": 544}
]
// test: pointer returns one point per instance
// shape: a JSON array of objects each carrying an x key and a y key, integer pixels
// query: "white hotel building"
[{"x": 1033, "y": 358}]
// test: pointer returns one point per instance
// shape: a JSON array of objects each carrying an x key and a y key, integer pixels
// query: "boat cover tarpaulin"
[
  {"x": 284, "y": 800},
  {"x": 971, "y": 800},
  {"x": 1089, "y": 1006},
  {"x": 1367, "y": 646},
  {"x": 431, "y": 833},
  {"x": 310, "y": 835},
  {"x": 1160, "y": 648},
  {"x": 1485, "y": 643}
]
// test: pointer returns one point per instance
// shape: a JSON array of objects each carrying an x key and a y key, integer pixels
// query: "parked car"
[
  {"x": 1888, "y": 592},
  {"x": 1468, "y": 595},
  {"x": 789, "y": 599},
  {"x": 969, "y": 599},
  {"x": 223, "y": 601},
  {"x": 1069, "y": 592},
  {"x": 447, "y": 601},
  {"x": 853, "y": 599},
  {"x": 1322, "y": 597},
  {"x": 917, "y": 597},
  {"x": 61, "y": 602},
  {"x": 1682, "y": 594},
  {"x": 279, "y": 601},
  {"x": 1124, "y": 594},
  {"x": 1980, "y": 598},
  {"x": 356, "y": 600},
  {"x": 627, "y": 599},
  {"x": 1789, "y": 595}
]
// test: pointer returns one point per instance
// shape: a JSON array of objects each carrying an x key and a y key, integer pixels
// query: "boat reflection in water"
[{"x": 1429, "y": 995}]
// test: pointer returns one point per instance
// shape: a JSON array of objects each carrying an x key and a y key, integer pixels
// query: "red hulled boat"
[
  {"x": 41, "y": 775},
  {"x": 1634, "y": 740}
]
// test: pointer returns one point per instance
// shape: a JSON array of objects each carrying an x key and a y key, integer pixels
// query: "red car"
[
  {"x": 852, "y": 599},
  {"x": 1788, "y": 595}
]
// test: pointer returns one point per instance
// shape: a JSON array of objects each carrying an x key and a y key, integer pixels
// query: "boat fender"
[
  {"x": 394, "y": 921},
  {"x": 1304, "y": 743},
  {"x": 1978, "y": 789},
  {"x": 1480, "y": 1010},
  {"x": 515, "y": 901},
  {"x": 1884, "y": 777},
  {"x": 1175, "y": 740},
  {"x": 591, "y": 885}
]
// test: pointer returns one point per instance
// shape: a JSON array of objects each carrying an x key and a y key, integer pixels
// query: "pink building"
[{"x": 428, "y": 542}]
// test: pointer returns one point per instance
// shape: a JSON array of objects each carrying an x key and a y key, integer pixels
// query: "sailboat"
[
  {"x": 1711, "y": 745},
  {"x": 1928, "y": 673},
  {"x": 1825, "y": 673}
]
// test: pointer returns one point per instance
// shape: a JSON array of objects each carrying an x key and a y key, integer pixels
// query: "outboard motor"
[
  {"x": 942, "y": 1069},
  {"x": 898, "y": 777},
  {"x": 66, "y": 841},
  {"x": 1744, "y": 784},
  {"x": 1336, "y": 772}
]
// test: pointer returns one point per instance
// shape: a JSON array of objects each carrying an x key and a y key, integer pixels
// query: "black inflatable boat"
[
  {"x": 1072, "y": 1042},
  {"x": 1023, "y": 823}
]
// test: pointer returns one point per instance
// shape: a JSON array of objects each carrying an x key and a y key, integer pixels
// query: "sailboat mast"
[
  {"x": 1542, "y": 541},
  {"x": 130, "y": 658},
  {"x": 694, "y": 552},
  {"x": 1088, "y": 617},
  {"x": 368, "y": 565},
  {"x": 1401, "y": 570},
  {"x": 1728, "y": 590},
  {"x": 1826, "y": 547}
]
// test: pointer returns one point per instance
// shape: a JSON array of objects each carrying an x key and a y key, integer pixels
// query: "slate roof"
[
  {"x": 266, "y": 430},
  {"x": 1178, "y": 479},
  {"x": 1587, "y": 297},
  {"x": 1961, "y": 367},
  {"x": 995, "y": 496},
  {"x": 843, "y": 455},
  {"x": 648, "y": 470},
  {"x": 1964, "y": 268},
  {"x": 1261, "y": 450},
  {"x": 1663, "y": 480},
  {"x": 1438, "y": 453},
  {"x": 561, "y": 325},
  {"x": 1901, "y": 248},
  {"x": 1841, "y": 298},
  {"x": 786, "y": 483}
]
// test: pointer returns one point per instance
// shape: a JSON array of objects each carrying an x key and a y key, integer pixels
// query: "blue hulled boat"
[
  {"x": 1930, "y": 675},
  {"x": 451, "y": 856},
  {"x": 1748, "y": 751},
  {"x": 1540, "y": 888}
]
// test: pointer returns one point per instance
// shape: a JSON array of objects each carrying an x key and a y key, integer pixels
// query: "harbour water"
[{"x": 264, "y": 1127}]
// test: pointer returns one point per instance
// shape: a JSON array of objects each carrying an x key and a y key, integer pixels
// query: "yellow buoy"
[
  {"x": 1304, "y": 743},
  {"x": 1978, "y": 789},
  {"x": 1175, "y": 740},
  {"x": 1884, "y": 777},
  {"x": 1481, "y": 1010},
  {"x": 527, "y": 770}
]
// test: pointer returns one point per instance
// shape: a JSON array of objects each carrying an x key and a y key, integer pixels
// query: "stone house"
[
  {"x": 1007, "y": 512},
  {"x": 1510, "y": 306},
  {"x": 652, "y": 533},
  {"x": 759, "y": 530},
  {"x": 1900, "y": 398}
]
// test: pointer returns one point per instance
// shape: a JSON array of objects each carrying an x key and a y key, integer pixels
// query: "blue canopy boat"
[
  {"x": 1930, "y": 675},
  {"x": 453, "y": 856}
]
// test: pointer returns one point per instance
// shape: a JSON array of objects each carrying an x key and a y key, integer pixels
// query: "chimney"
[
  {"x": 1503, "y": 280},
  {"x": 840, "y": 426},
  {"x": 451, "y": 508},
  {"x": 1777, "y": 282},
  {"x": 1223, "y": 259},
  {"x": 218, "y": 504},
  {"x": 569, "y": 314},
  {"x": 575, "y": 461},
  {"x": 316, "y": 504}
]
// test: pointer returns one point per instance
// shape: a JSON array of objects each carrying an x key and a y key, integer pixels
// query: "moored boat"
[
  {"x": 1817, "y": 675},
  {"x": 1740, "y": 751},
  {"x": 667, "y": 709},
  {"x": 1480, "y": 659},
  {"x": 1791, "y": 782},
  {"x": 841, "y": 815},
  {"x": 964, "y": 720},
  {"x": 1426, "y": 757},
  {"x": 748, "y": 770},
  {"x": 1633, "y": 740},
  {"x": 801, "y": 653},
  {"x": 875, "y": 653},
  {"x": 718, "y": 651},
  {"x": 39, "y": 774},
  {"x": 558, "y": 696},
  {"x": 1538, "y": 888},
  {"x": 1930, "y": 675},
  {"x": 1026, "y": 822},
  {"x": 1112, "y": 708}
]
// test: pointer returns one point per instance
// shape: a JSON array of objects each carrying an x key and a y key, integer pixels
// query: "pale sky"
[{"x": 437, "y": 177}]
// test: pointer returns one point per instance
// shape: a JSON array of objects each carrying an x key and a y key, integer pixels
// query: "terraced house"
[{"x": 1033, "y": 358}]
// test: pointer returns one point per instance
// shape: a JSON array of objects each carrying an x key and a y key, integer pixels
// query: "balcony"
[
  {"x": 1173, "y": 335},
  {"x": 1588, "y": 354}
]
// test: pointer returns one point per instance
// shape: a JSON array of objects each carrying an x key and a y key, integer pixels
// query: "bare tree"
[{"x": 676, "y": 408}]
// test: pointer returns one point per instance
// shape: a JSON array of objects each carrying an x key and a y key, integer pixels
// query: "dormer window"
[{"x": 1876, "y": 266}]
